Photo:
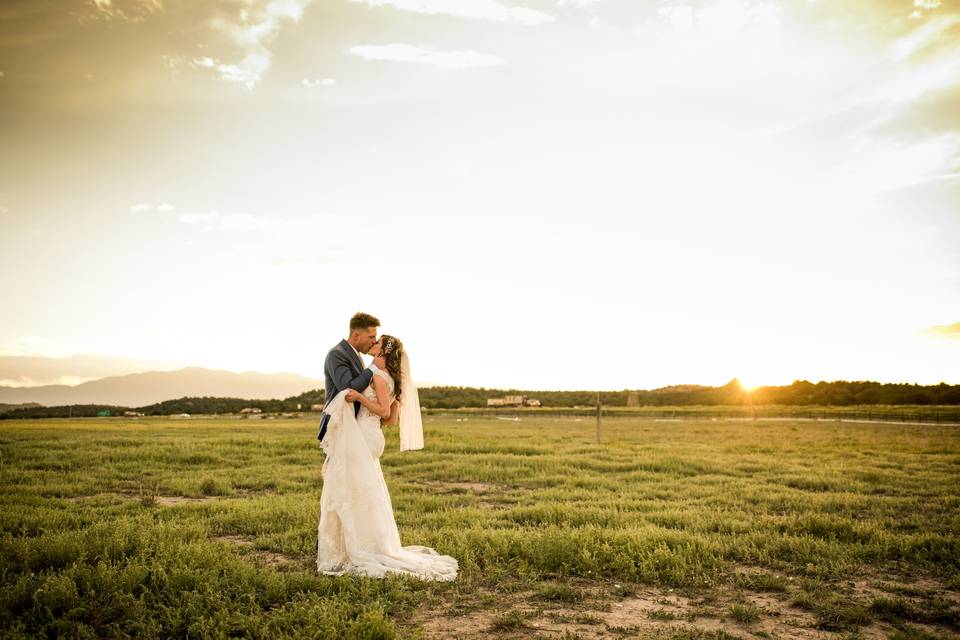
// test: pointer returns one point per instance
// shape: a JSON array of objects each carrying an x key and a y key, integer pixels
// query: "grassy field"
[{"x": 161, "y": 528}]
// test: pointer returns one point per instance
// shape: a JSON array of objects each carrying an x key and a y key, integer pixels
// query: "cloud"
[
  {"x": 303, "y": 261},
  {"x": 35, "y": 346},
  {"x": 129, "y": 10},
  {"x": 247, "y": 72},
  {"x": 252, "y": 31},
  {"x": 897, "y": 126},
  {"x": 948, "y": 331},
  {"x": 325, "y": 82},
  {"x": 471, "y": 9},
  {"x": 410, "y": 53},
  {"x": 26, "y": 381},
  {"x": 144, "y": 206},
  {"x": 215, "y": 221}
]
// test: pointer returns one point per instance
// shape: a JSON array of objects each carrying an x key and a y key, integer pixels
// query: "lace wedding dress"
[{"x": 357, "y": 532}]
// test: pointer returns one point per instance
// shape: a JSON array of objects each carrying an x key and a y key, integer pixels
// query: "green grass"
[
  {"x": 744, "y": 612},
  {"x": 559, "y": 593},
  {"x": 661, "y": 614},
  {"x": 762, "y": 582},
  {"x": 509, "y": 621},
  {"x": 92, "y": 545}
]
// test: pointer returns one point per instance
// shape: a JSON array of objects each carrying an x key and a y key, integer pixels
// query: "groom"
[{"x": 343, "y": 368}]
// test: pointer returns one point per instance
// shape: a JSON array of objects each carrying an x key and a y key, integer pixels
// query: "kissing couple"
[{"x": 357, "y": 533}]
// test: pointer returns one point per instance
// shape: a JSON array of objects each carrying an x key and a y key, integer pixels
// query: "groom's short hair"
[{"x": 362, "y": 320}]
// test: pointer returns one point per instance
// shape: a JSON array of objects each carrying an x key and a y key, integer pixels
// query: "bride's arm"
[
  {"x": 393, "y": 418},
  {"x": 382, "y": 406}
]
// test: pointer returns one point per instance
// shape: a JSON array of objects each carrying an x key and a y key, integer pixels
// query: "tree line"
[{"x": 799, "y": 393}]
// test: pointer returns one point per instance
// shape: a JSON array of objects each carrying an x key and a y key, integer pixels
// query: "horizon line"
[{"x": 432, "y": 384}]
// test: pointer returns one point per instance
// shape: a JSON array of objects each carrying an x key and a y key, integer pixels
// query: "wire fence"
[{"x": 937, "y": 415}]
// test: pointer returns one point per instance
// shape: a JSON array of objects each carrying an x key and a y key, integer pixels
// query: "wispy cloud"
[
  {"x": 142, "y": 207},
  {"x": 253, "y": 31},
  {"x": 897, "y": 120},
  {"x": 409, "y": 53},
  {"x": 247, "y": 72},
  {"x": 471, "y": 9},
  {"x": 36, "y": 346},
  {"x": 129, "y": 10},
  {"x": 26, "y": 381},
  {"x": 215, "y": 221},
  {"x": 949, "y": 331},
  {"x": 325, "y": 82}
]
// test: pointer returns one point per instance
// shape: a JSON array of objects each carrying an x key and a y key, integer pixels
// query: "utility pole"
[{"x": 598, "y": 417}]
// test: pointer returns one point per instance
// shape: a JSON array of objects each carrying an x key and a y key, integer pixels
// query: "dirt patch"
[
  {"x": 263, "y": 556},
  {"x": 172, "y": 501},
  {"x": 463, "y": 487},
  {"x": 163, "y": 501},
  {"x": 85, "y": 498},
  {"x": 594, "y": 610},
  {"x": 488, "y": 496},
  {"x": 237, "y": 540}
]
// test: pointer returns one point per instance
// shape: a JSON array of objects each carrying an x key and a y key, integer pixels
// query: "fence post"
[{"x": 598, "y": 417}]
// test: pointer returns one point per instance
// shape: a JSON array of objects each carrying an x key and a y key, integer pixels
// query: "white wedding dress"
[{"x": 357, "y": 532}]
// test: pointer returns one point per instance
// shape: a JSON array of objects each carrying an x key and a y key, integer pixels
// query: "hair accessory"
[{"x": 388, "y": 347}]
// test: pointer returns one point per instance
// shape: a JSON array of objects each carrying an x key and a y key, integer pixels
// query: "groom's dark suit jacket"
[{"x": 343, "y": 369}]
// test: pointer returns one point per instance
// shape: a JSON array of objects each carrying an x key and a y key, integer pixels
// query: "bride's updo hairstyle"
[{"x": 392, "y": 351}]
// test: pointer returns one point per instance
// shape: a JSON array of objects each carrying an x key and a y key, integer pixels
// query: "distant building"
[
  {"x": 181, "y": 415},
  {"x": 512, "y": 401},
  {"x": 133, "y": 414},
  {"x": 316, "y": 407},
  {"x": 250, "y": 410}
]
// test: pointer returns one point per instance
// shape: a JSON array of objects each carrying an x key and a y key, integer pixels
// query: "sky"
[{"x": 539, "y": 194}]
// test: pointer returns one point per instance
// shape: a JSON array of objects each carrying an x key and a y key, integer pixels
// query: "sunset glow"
[{"x": 539, "y": 195}]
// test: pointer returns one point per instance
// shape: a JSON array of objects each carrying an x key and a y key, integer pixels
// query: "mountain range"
[{"x": 141, "y": 389}]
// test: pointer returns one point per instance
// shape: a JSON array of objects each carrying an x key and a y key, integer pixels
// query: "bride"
[{"x": 357, "y": 532}]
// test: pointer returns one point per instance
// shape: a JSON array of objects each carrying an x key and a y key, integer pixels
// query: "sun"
[{"x": 746, "y": 385}]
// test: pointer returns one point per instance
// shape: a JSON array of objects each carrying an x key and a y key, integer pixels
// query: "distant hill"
[{"x": 141, "y": 389}]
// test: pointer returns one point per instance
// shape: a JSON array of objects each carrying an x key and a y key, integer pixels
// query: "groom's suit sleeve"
[{"x": 343, "y": 375}]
